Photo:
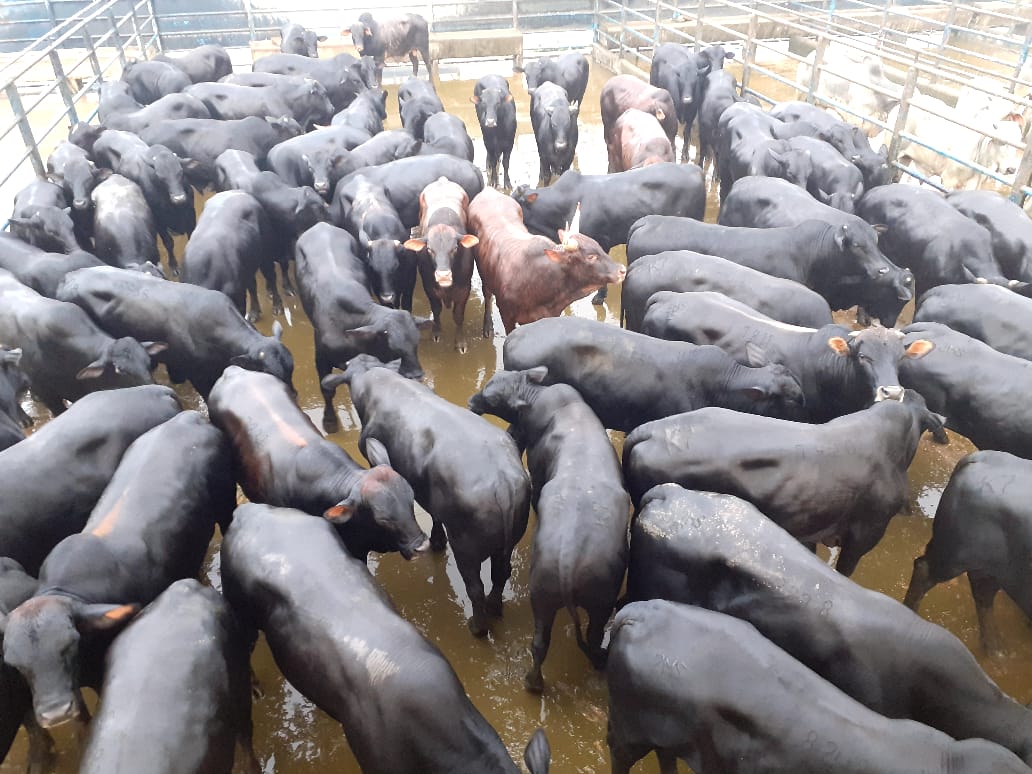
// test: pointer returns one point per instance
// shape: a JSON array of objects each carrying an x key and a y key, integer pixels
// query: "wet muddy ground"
[{"x": 291, "y": 736}]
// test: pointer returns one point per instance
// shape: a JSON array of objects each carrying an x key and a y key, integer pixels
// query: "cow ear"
[
  {"x": 554, "y": 256},
  {"x": 94, "y": 370},
  {"x": 99, "y": 618},
  {"x": 755, "y": 394},
  {"x": 755, "y": 355},
  {"x": 154, "y": 347},
  {"x": 340, "y": 513},
  {"x": 823, "y": 195},
  {"x": 778, "y": 157},
  {"x": 366, "y": 333},
  {"x": 322, "y": 38},
  {"x": 918, "y": 349},
  {"x": 531, "y": 198},
  {"x": 376, "y": 452},
  {"x": 838, "y": 345},
  {"x": 537, "y": 375},
  {"x": 475, "y": 99},
  {"x": 422, "y": 323},
  {"x": 468, "y": 241},
  {"x": 508, "y": 98},
  {"x": 367, "y": 32},
  {"x": 244, "y": 361},
  {"x": 415, "y": 245},
  {"x": 842, "y": 236},
  {"x": 660, "y": 115},
  {"x": 879, "y": 228}
]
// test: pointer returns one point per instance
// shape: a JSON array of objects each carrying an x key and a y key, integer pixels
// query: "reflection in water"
[{"x": 291, "y": 736}]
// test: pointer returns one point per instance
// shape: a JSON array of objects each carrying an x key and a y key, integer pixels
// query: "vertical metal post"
[
  {"x": 623, "y": 30},
  {"x": 951, "y": 19},
  {"x": 901, "y": 117},
  {"x": 116, "y": 38},
  {"x": 252, "y": 35},
  {"x": 815, "y": 70},
  {"x": 136, "y": 30},
  {"x": 655, "y": 29},
  {"x": 154, "y": 26},
  {"x": 62, "y": 85},
  {"x": 1024, "y": 173},
  {"x": 50, "y": 12},
  {"x": 94, "y": 62},
  {"x": 515, "y": 14},
  {"x": 884, "y": 29},
  {"x": 14, "y": 99},
  {"x": 1022, "y": 58},
  {"x": 749, "y": 55},
  {"x": 698, "y": 25}
]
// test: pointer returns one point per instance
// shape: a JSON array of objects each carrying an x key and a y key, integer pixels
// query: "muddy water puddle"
[{"x": 291, "y": 736}]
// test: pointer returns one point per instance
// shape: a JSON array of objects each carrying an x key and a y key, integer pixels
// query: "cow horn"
[{"x": 573, "y": 227}]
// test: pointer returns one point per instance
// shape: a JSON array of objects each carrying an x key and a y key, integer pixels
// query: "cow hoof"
[
  {"x": 438, "y": 545},
  {"x": 330, "y": 424},
  {"x": 436, "y": 336},
  {"x": 461, "y": 348},
  {"x": 533, "y": 682},
  {"x": 494, "y": 606},
  {"x": 478, "y": 628},
  {"x": 175, "y": 271},
  {"x": 253, "y": 317},
  {"x": 277, "y": 309}
]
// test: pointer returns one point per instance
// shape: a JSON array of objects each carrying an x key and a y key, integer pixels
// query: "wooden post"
[
  {"x": 815, "y": 71},
  {"x": 901, "y": 117},
  {"x": 1024, "y": 173},
  {"x": 14, "y": 100},
  {"x": 698, "y": 25},
  {"x": 749, "y": 55}
]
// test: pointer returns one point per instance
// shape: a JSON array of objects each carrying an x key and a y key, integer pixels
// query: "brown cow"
[
  {"x": 532, "y": 276},
  {"x": 637, "y": 141},
  {"x": 444, "y": 254},
  {"x": 624, "y": 92}
]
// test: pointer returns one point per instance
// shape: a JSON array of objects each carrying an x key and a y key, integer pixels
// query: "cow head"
[
  {"x": 926, "y": 420},
  {"x": 123, "y": 362},
  {"x": 533, "y": 74},
  {"x": 487, "y": 106},
  {"x": 442, "y": 243},
  {"x": 320, "y": 163},
  {"x": 384, "y": 259},
  {"x": 394, "y": 337},
  {"x": 311, "y": 43},
  {"x": 770, "y": 389},
  {"x": 78, "y": 178},
  {"x": 309, "y": 208},
  {"x": 380, "y": 504},
  {"x": 285, "y": 126},
  {"x": 793, "y": 165},
  {"x": 840, "y": 200},
  {"x": 41, "y": 640},
  {"x": 563, "y": 122},
  {"x": 586, "y": 265},
  {"x": 508, "y": 393},
  {"x": 48, "y": 228},
  {"x": 876, "y": 353},
  {"x": 269, "y": 355},
  {"x": 171, "y": 172}
]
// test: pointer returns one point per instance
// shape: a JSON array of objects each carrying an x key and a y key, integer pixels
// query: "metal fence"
[{"x": 921, "y": 42}]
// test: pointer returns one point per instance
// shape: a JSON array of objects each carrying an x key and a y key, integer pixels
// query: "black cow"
[
  {"x": 445, "y": 133},
  {"x": 39, "y": 270},
  {"x": 992, "y": 314},
  {"x": 51, "y": 484},
  {"x": 13, "y": 384},
  {"x": 570, "y": 71},
  {"x": 42, "y": 218},
  {"x": 315, "y": 158},
  {"x": 750, "y": 142},
  {"x": 70, "y": 167},
  {"x": 554, "y": 119},
  {"x": 204, "y": 63},
  {"x": 396, "y": 38},
  {"x": 367, "y": 112},
  {"x": 295, "y": 39},
  {"x": 151, "y": 80},
  {"x": 200, "y": 344},
  {"x": 464, "y": 471},
  {"x": 145, "y": 532},
  {"x": 160, "y": 174},
  {"x": 719, "y": 92},
  {"x": 838, "y": 483},
  {"x": 682, "y": 72},
  {"x": 64, "y": 354},
  {"x": 404, "y": 179},
  {"x": 982, "y": 527},
  {"x": 706, "y": 688},
  {"x": 496, "y": 114},
  {"x": 185, "y": 652},
  {"x": 685, "y": 271},
  {"x": 118, "y": 110},
  {"x": 343, "y": 76},
  {"x": 281, "y": 459},
  {"x": 387, "y": 146},
  {"x": 941, "y": 245},
  {"x": 371, "y": 219},
  {"x": 629, "y": 379},
  {"x": 289, "y": 211},
  {"x": 15, "y": 700},
  {"x": 839, "y": 370},
  {"x": 228, "y": 248},
  {"x": 972, "y": 385},
  {"x": 1007, "y": 224},
  {"x": 580, "y": 546},
  {"x": 306, "y": 102},
  {"x": 203, "y": 139},
  {"x": 417, "y": 101},
  {"x": 833, "y": 179},
  {"x": 719, "y": 552},
  {"x": 345, "y": 320},
  {"x": 124, "y": 230},
  {"x": 849, "y": 140},
  {"x": 85, "y": 135},
  {"x": 760, "y": 202},
  {"x": 400, "y": 703}
]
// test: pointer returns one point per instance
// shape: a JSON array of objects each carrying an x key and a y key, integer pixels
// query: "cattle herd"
[{"x": 756, "y": 426}]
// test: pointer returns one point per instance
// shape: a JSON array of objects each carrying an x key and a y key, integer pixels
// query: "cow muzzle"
[
  {"x": 421, "y": 547},
  {"x": 490, "y": 123},
  {"x": 179, "y": 199},
  {"x": 560, "y": 145},
  {"x": 321, "y": 186},
  {"x": 387, "y": 299},
  {"x": 443, "y": 278},
  {"x": 686, "y": 100},
  {"x": 81, "y": 204},
  {"x": 889, "y": 393}
]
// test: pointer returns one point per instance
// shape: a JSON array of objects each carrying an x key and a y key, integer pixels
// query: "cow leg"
[
  {"x": 920, "y": 583},
  {"x": 415, "y": 64},
  {"x": 488, "y": 319},
  {"x": 505, "y": 167},
  {"x": 170, "y": 250},
  {"x": 623, "y": 757},
  {"x": 426, "y": 275},
  {"x": 492, "y": 169},
  {"x": 544, "y": 174},
  {"x": 288, "y": 288},
  {"x": 438, "y": 537},
  {"x": 667, "y": 762},
  {"x": 425, "y": 53},
  {"x": 41, "y": 745},
  {"x": 685, "y": 143},
  {"x": 255, "y": 312},
  {"x": 501, "y": 570},
  {"x": 983, "y": 589},
  {"x": 269, "y": 272},
  {"x": 592, "y": 645},
  {"x": 469, "y": 569},
  {"x": 544, "y": 618},
  {"x": 459, "y": 316},
  {"x": 323, "y": 367}
]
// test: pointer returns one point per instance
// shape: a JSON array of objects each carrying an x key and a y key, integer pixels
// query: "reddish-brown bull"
[
  {"x": 624, "y": 92},
  {"x": 637, "y": 140},
  {"x": 532, "y": 276},
  {"x": 444, "y": 254}
]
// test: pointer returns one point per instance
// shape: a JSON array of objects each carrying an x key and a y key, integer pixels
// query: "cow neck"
[
  {"x": 823, "y": 245},
  {"x": 57, "y": 591}
]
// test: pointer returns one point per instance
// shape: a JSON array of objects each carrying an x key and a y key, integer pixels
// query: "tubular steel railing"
[{"x": 630, "y": 31}]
